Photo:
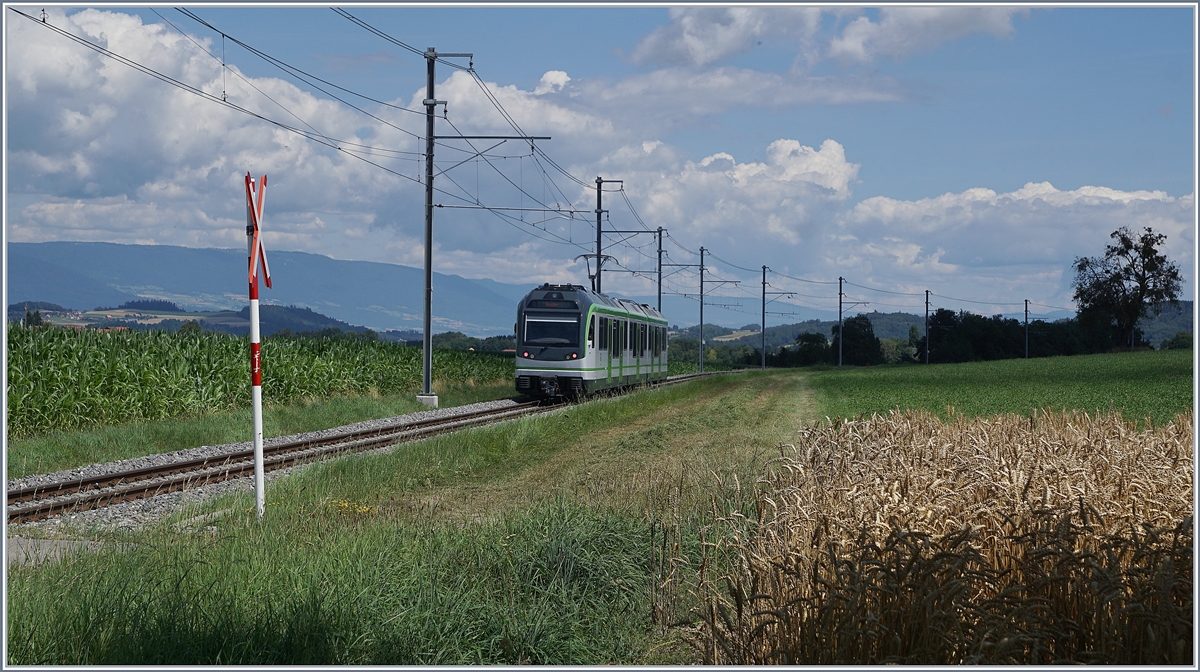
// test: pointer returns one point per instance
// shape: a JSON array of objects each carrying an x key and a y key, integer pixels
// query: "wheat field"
[{"x": 908, "y": 539}]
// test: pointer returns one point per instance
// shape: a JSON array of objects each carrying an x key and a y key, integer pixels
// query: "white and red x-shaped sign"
[{"x": 256, "y": 216}]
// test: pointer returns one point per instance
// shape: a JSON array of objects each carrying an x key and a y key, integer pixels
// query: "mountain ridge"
[{"x": 375, "y": 295}]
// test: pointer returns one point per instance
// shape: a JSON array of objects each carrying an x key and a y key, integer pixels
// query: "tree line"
[{"x": 1131, "y": 280}]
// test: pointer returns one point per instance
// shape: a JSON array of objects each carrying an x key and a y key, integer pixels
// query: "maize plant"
[{"x": 64, "y": 379}]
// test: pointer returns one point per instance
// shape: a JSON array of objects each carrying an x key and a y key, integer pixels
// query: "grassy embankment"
[
  {"x": 539, "y": 540},
  {"x": 52, "y": 451},
  {"x": 573, "y": 538},
  {"x": 76, "y": 398}
]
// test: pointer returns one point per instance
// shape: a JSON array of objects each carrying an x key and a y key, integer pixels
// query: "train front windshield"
[{"x": 552, "y": 331}]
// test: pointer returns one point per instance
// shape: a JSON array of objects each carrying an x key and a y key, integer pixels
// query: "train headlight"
[
  {"x": 574, "y": 355},
  {"x": 525, "y": 354}
]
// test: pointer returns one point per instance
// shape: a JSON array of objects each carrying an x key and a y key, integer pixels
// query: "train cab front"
[{"x": 550, "y": 343}]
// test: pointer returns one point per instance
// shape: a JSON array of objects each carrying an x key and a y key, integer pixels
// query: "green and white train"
[{"x": 572, "y": 341}]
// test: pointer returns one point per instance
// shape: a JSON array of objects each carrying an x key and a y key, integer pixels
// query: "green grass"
[
  {"x": 320, "y": 586},
  {"x": 54, "y": 451},
  {"x": 1154, "y": 384},
  {"x": 528, "y": 542},
  {"x": 571, "y": 538}
]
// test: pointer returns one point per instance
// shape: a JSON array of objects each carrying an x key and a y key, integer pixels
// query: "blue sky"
[{"x": 972, "y": 151}]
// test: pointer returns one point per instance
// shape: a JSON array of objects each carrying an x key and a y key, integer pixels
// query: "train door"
[
  {"x": 614, "y": 350},
  {"x": 641, "y": 348},
  {"x": 654, "y": 350},
  {"x": 602, "y": 359},
  {"x": 593, "y": 351},
  {"x": 636, "y": 339},
  {"x": 646, "y": 352},
  {"x": 627, "y": 349}
]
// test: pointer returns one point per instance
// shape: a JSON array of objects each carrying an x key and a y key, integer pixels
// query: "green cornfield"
[{"x": 63, "y": 379}]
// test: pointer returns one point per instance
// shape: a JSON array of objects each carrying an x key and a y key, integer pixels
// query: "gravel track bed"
[
  {"x": 143, "y": 511},
  {"x": 140, "y": 512}
]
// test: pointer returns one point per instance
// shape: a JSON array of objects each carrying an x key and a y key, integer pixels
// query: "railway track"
[{"x": 51, "y": 499}]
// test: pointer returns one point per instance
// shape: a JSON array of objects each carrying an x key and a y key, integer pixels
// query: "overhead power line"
[
  {"x": 885, "y": 291},
  {"x": 986, "y": 303},
  {"x": 389, "y": 38},
  {"x": 362, "y": 151},
  {"x": 314, "y": 135},
  {"x": 306, "y": 77}
]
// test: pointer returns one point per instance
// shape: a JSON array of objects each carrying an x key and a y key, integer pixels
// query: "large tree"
[
  {"x": 1131, "y": 278},
  {"x": 862, "y": 348},
  {"x": 810, "y": 349}
]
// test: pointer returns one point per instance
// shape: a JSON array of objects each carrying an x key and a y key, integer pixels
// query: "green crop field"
[
  {"x": 62, "y": 379},
  {"x": 1154, "y": 384}
]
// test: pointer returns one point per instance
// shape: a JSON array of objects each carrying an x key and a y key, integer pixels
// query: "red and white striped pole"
[{"x": 254, "y": 252}]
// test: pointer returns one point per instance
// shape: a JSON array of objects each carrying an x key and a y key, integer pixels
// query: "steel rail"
[
  {"x": 103, "y": 490},
  {"x": 116, "y": 478},
  {"x": 55, "y": 498}
]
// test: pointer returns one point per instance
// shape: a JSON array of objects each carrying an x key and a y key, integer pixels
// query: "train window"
[
  {"x": 624, "y": 335},
  {"x": 603, "y": 344},
  {"x": 642, "y": 340},
  {"x": 615, "y": 343},
  {"x": 591, "y": 339},
  {"x": 552, "y": 331}
]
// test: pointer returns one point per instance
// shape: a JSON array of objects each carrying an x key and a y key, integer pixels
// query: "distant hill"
[
  {"x": 1158, "y": 328},
  {"x": 83, "y": 276},
  {"x": 16, "y": 311},
  {"x": 273, "y": 319}
]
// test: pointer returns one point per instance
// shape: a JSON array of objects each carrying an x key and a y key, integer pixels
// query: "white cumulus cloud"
[
  {"x": 771, "y": 201},
  {"x": 553, "y": 80},
  {"x": 1015, "y": 244}
]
